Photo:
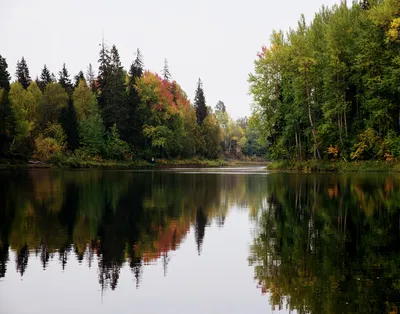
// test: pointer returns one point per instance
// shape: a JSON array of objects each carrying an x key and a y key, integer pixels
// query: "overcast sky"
[{"x": 216, "y": 40}]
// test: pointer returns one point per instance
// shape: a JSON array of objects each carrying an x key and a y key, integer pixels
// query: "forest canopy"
[
  {"x": 329, "y": 89},
  {"x": 116, "y": 114}
]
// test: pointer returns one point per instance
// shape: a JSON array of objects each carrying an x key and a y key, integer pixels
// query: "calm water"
[{"x": 220, "y": 241}]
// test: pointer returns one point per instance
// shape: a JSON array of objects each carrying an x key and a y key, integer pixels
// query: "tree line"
[
  {"x": 330, "y": 89},
  {"x": 113, "y": 115}
]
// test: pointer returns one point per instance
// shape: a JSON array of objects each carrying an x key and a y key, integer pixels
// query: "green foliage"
[
  {"x": 116, "y": 149},
  {"x": 145, "y": 115},
  {"x": 54, "y": 100},
  {"x": 331, "y": 82},
  {"x": 212, "y": 136},
  {"x": 18, "y": 101},
  {"x": 50, "y": 144},
  {"x": 91, "y": 131}
]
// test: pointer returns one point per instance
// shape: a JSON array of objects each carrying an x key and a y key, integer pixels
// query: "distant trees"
[{"x": 114, "y": 114}]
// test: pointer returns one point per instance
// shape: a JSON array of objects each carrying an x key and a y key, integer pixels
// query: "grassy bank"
[
  {"x": 334, "y": 166},
  {"x": 96, "y": 163}
]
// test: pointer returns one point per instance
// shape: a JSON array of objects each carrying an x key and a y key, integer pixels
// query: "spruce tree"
[
  {"x": 90, "y": 78},
  {"x": 112, "y": 99},
  {"x": 22, "y": 73},
  {"x": 165, "y": 72},
  {"x": 200, "y": 103},
  {"x": 45, "y": 78},
  {"x": 65, "y": 81},
  {"x": 104, "y": 69},
  {"x": 136, "y": 71},
  {"x": 80, "y": 76},
  {"x": 4, "y": 75},
  {"x": 6, "y": 118}
]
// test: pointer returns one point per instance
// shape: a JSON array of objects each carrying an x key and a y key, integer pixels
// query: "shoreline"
[
  {"x": 133, "y": 165},
  {"x": 316, "y": 166}
]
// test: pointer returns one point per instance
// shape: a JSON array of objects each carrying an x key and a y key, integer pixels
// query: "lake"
[{"x": 198, "y": 241}]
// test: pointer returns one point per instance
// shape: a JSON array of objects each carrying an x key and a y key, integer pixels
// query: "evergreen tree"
[
  {"x": 200, "y": 103},
  {"x": 135, "y": 130},
  {"x": 6, "y": 118},
  {"x": 90, "y": 78},
  {"x": 137, "y": 67},
  {"x": 80, "y": 76},
  {"x": 165, "y": 72},
  {"x": 112, "y": 99},
  {"x": 104, "y": 70},
  {"x": 45, "y": 78},
  {"x": 4, "y": 75},
  {"x": 65, "y": 81},
  {"x": 22, "y": 73}
]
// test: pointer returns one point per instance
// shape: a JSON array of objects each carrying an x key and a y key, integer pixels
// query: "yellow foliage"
[
  {"x": 393, "y": 32},
  {"x": 47, "y": 147},
  {"x": 333, "y": 151}
]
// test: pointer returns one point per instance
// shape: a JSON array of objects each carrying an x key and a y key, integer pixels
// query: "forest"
[
  {"x": 115, "y": 115},
  {"x": 329, "y": 89}
]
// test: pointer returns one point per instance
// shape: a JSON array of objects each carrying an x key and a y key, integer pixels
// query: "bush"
[{"x": 116, "y": 149}]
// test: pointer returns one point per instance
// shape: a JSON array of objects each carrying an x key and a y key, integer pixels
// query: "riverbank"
[
  {"x": 76, "y": 163},
  {"x": 334, "y": 166}
]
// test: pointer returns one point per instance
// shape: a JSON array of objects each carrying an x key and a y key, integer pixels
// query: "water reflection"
[
  {"x": 119, "y": 217},
  {"x": 320, "y": 244},
  {"x": 330, "y": 244}
]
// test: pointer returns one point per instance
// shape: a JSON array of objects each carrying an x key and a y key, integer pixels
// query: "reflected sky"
[
  {"x": 218, "y": 280},
  {"x": 210, "y": 241}
]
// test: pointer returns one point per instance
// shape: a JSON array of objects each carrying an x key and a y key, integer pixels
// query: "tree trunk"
[
  {"x": 310, "y": 116},
  {"x": 301, "y": 155}
]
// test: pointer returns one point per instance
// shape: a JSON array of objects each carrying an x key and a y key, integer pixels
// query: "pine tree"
[
  {"x": 200, "y": 103},
  {"x": 65, "y": 81},
  {"x": 90, "y": 78},
  {"x": 137, "y": 67},
  {"x": 104, "y": 68},
  {"x": 45, "y": 78},
  {"x": 22, "y": 73},
  {"x": 165, "y": 72},
  {"x": 112, "y": 99},
  {"x": 6, "y": 119},
  {"x": 80, "y": 76},
  {"x": 135, "y": 129},
  {"x": 4, "y": 75}
]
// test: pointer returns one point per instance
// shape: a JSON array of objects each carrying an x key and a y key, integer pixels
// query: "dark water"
[{"x": 231, "y": 241}]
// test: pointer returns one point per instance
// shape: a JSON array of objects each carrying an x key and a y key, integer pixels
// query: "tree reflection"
[
  {"x": 329, "y": 244},
  {"x": 111, "y": 217}
]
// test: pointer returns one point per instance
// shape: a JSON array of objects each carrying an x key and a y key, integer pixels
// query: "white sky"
[{"x": 216, "y": 40}]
